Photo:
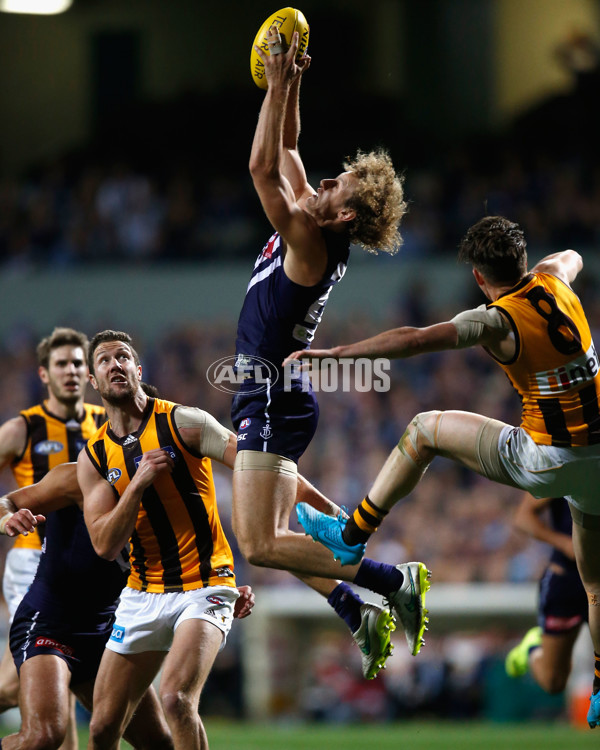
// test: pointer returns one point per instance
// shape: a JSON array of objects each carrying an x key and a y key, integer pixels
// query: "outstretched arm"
[
  {"x": 277, "y": 170},
  {"x": 395, "y": 343},
  {"x": 480, "y": 326},
  {"x": 22, "y": 509}
]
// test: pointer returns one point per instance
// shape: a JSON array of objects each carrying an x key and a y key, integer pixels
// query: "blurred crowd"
[{"x": 60, "y": 216}]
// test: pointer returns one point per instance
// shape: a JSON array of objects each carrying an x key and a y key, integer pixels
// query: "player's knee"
[
  {"x": 419, "y": 439},
  {"x": 103, "y": 732},
  {"x": 254, "y": 548},
  {"x": 45, "y": 736},
  {"x": 8, "y": 699},
  {"x": 177, "y": 706},
  {"x": 256, "y": 552},
  {"x": 555, "y": 682},
  {"x": 9, "y": 693}
]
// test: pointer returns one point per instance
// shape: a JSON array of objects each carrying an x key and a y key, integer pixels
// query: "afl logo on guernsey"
[
  {"x": 47, "y": 447},
  {"x": 113, "y": 475}
]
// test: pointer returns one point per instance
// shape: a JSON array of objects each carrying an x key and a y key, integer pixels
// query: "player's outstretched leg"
[
  {"x": 408, "y": 603},
  {"x": 328, "y": 530}
]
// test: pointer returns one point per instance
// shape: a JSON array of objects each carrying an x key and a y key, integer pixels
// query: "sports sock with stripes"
[
  {"x": 363, "y": 522},
  {"x": 346, "y": 604},
  {"x": 596, "y": 685}
]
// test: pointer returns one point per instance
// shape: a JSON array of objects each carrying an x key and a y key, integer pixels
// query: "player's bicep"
[{"x": 98, "y": 495}]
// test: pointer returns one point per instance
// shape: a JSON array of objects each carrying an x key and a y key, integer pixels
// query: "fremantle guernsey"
[
  {"x": 72, "y": 583},
  {"x": 279, "y": 316}
]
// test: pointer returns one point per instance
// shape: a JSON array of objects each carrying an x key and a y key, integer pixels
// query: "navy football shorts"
[
  {"x": 31, "y": 635},
  {"x": 275, "y": 420},
  {"x": 563, "y": 603}
]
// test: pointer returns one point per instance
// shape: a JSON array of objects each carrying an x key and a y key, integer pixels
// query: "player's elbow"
[
  {"x": 262, "y": 171},
  {"x": 105, "y": 551}
]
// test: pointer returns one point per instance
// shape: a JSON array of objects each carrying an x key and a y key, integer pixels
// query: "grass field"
[{"x": 413, "y": 736}]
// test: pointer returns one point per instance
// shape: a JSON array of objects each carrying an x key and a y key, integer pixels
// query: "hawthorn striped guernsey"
[
  {"x": 178, "y": 543},
  {"x": 51, "y": 441},
  {"x": 555, "y": 369}
]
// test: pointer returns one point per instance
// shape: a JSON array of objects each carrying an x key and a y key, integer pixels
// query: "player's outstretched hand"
[
  {"x": 244, "y": 603},
  {"x": 310, "y": 354},
  {"x": 22, "y": 521}
]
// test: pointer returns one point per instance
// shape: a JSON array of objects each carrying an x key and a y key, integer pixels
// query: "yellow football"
[{"x": 288, "y": 20}]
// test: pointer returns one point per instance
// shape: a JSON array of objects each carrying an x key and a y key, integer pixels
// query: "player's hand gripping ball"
[{"x": 287, "y": 20}]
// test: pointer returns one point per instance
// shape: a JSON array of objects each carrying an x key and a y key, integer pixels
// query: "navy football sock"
[
  {"x": 378, "y": 577},
  {"x": 346, "y": 603}
]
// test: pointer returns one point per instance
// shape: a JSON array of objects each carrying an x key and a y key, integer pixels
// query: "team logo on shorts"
[
  {"x": 118, "y": 633},
  {"x": 215, "y": 600},
  {"x": 245, "y": 423},
  {"x": 266, "y": 432},
  {"x": 113, "y": 475},
  {"x": 47, "y": 447}
]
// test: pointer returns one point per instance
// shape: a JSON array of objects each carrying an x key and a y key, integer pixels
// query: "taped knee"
[
  {"x": 421, "y": 434},
  {"x": 593, "y": 599}
]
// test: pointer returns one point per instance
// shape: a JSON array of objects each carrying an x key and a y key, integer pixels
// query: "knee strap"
[{"x": 409, "y": 442}]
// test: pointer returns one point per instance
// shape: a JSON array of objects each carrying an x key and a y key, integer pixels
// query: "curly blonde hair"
[{"x": 378, "y": 201}]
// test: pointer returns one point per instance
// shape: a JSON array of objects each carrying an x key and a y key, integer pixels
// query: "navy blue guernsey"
[
  {"x": 72, "y": 583},
  {"x": 279, "y": 316},
  {"x": 560, "y": 520}
]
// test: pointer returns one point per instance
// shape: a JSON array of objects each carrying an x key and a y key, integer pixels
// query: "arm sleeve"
[
  {"x": 475, "y": 325},
  {"x": 213, "y": 436}
]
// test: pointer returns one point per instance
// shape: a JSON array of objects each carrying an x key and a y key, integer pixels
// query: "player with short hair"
[
  {"x": 547, "y": 649},
  {"x": 535, "y": 327},
  {"x": 285, "y": 299},
  {"x": 32, "y": 443},
  {"x": 146, "y": 478}
]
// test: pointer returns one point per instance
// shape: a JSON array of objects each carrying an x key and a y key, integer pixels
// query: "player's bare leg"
[
  {"x": 550, "y": 664},
  {"x": 44, "y": 694},
  {"x": 586, "y": 543},
  {"x": 195, "y": 646},
  {"x": 120, "y": 684},
  {"x": 9, "y": 681},
  {"x": 453, "y": 434},
  {"x": 262, "y": 502}
]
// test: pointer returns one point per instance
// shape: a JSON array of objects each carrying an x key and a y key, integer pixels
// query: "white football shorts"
[
  {"x": 147, "y": 622},
  {"x": 19, "y": 571},
  {"x": 550, "y": 471}
]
